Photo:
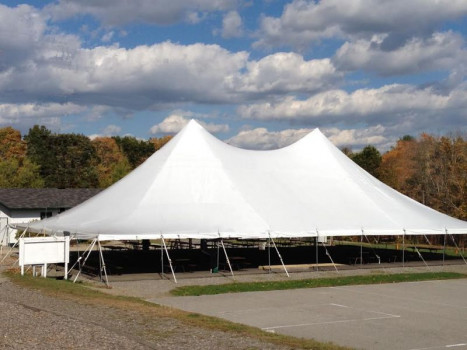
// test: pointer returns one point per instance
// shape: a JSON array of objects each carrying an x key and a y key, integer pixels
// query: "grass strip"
[
  {"x": 236, "y": 287},
  {"x": 87, "y": 294}
]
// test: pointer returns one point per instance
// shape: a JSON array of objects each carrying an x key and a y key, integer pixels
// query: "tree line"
[
  {"x": 429, "y": 169},
  {"x": 45, "y": 159}
]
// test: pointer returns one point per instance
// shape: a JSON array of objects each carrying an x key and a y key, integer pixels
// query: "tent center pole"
[
  {"x": 280, "y": 257},
  {"x": 102, "y": 264},
  {"x": 168, "y": 258},
  {"x": 227, "y": 258},
  {"x": 85, "y": 259}
]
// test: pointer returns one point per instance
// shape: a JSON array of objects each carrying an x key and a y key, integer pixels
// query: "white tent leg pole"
[
  {"x": 361, "y": 250},
  {"x": 4, "y": 238},
  {"x": 329, "y": 256},
  {"x": 162, "y": 262},
  {"x": 317, "y": 251},
  {"x": 444, "y": 244},
  {"x": 14, "y": 245},
  {"x": 103, "y": 268},
  {"x": 280, "y": 257},
  {"x": 458, "y": 249},
  {"x": 403, "y": 249},
  {"x": 269, "y": 255},
  {"x": 227, "y": 258},
  {"x": 85, "y": 259},
  {"x": 168, "y": 258}
]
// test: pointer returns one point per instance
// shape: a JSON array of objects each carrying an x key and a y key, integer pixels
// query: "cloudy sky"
[{"x": 259, "y": 74}]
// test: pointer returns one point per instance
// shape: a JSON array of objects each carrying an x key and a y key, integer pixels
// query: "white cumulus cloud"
[
  {"x": 232, "y": 25},
  {"x": 174, "y": 123}
]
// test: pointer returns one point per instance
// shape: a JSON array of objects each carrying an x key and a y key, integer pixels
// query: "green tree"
[
  {"x": 15, "y": 173},
  {"x": 369, "y": 159},
  {"x": 65, "y": 160},
  {"x": 136, "y": 151}
]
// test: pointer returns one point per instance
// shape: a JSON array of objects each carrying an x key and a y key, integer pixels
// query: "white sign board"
[{"x": 43, "y": 251}]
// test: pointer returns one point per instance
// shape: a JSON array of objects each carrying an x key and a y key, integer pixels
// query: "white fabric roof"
[{"x": 197, "y": 186}]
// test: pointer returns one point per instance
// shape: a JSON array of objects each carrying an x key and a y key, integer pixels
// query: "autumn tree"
[
  {"x": 160, "y": 142},
  {"x": 16, "y": 170},
  {"x": 398, "y": 164},
  {"x": 113, "y": 165}
]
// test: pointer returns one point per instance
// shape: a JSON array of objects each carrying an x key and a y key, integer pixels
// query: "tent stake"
[
  {"x": 168, "y": 258},
  {"x": 227, "y": 258},
  {"x": 102, "y": 263},
  {"x": 85, "y": 259},
  {"x": 280, "y": 257},
  {"x": 458, "y": 249}
]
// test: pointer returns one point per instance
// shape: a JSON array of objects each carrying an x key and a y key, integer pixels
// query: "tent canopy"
[{"x": 197, "y": 186}]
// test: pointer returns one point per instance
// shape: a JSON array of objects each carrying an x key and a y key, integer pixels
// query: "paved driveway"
[{"x": 416, "y": 315}]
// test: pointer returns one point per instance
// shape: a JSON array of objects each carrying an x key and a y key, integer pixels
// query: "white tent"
[{"x": 196, "y": 186}]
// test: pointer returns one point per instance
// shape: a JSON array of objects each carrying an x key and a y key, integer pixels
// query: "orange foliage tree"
[{"x": 113, "y": 164}]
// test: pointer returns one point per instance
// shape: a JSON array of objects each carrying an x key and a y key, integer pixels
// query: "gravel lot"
[{"x": 31, "y": 320}]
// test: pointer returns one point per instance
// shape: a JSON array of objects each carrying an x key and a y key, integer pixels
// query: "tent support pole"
[
  {"x": 329, "y": 256},
  {"x": 162, "y": 262},
  {"x": 316, "y": 250},
  {"x": 102, "y": 263},
  {"x": 269, "y": 254},
  {"x": 4, "y": 238},
  {"x": 403, "y": 249},
  {"x": 280, "y": 257},
  {"x": 458, "y": 249},
  {"x": 168, "y": 258},
  {"x": 93, "y": 243},
  {"x": 14, "y": 245},
  {"x": 444, "y": 244},
  {"x": 227, "y": 258},
  {"x": 361, "y": 250},
  {"x": 217, "y": 257}
]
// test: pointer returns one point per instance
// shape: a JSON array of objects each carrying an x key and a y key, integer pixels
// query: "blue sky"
[{"x": 258, "y": 74}]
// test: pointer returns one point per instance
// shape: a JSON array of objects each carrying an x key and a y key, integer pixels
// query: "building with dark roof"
[{"x": 28, "y": 204}]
